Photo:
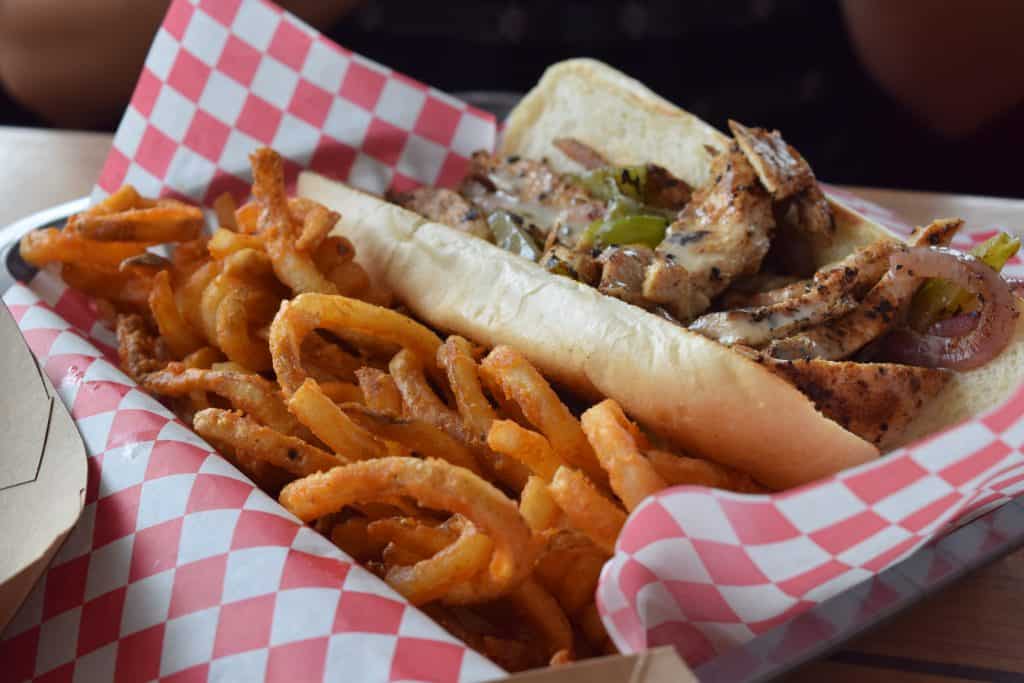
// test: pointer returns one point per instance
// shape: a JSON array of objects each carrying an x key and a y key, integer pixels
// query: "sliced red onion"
[
  {"x": 994, "y": 326},
  {"x": 957, "y": 326}
]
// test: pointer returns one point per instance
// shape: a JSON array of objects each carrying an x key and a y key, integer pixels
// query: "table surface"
[{"x": 970, "y": 631}]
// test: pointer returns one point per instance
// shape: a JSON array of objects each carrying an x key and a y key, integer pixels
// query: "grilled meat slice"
[
  {"x": 723, "y": 233},
  {"x": 875, "y": 401},
  {"x": 790, "y": 180},
  {"x": 757, "y": 326},
  {"x": 761, "y": 289},
  {"x": 754, "y": 291},
  {"x": 810, "y": 214},
  {"x": 622, "y": 272},
  {"x": 445, "y": 206},
  {"x": 833, "y": 291},
  {"x": 782, "y": 170},
  {"x": 878, "y": 313}
]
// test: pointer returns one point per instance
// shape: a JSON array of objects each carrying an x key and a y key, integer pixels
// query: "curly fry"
[
  {"x": 316, "y": 225},
  {"x": 380, "y": 391},
  {"x": 252, "y": 441},
  {"x": 436, "y": 485},
  {"x": 521, "y": 382},
  {"x": 250, "y": 393},
  {"x": 610, "y": 432},
  {"x": 180, "y": 337},
  {"x": 137, "y": 347},
  {"x": 586, "y": 509}
]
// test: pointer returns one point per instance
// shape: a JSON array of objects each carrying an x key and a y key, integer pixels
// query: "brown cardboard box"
[
  {"x": 660, "y": 665},
  {"x": 42, "y": 470}
]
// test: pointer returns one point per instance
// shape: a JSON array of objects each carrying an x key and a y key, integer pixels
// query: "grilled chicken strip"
[
  {"x": 875, "y": 401},
  {"x": 876, "y": 314},
  {"x": 622, "y": 272},
  {"x": 782, "y": 170},
  {"x": 754, "y": 292},
  {"x": 789, "y": 179},
  {"x": 723, "y": 233},
  {"x": 445, "y": 206},
  {"x": 832, "y": 291},
  {"x": 761, "y": 289}
]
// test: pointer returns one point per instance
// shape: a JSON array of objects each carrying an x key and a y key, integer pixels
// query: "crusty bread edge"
[{"x": 690, "y": 389}]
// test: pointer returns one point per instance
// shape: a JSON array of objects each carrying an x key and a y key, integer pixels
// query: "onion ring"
[
  {"x": 995, "y": 325},
  {"x": 957, "y": 326}
]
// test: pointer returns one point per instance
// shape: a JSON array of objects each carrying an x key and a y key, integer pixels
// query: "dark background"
[{"x": 785, "y": 64}]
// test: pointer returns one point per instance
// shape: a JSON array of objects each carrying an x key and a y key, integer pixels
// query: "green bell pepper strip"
[
  {"x": 631, "y": 229},
  {"x": 611, "y": 182},
  {"x": 510, "y": 236}
]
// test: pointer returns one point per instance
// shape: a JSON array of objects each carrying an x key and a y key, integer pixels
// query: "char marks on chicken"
[
  {"x": 723, "y": 233},
  {"x": 832, "y": 292},
  {"x": 875, "y": 401},
  {"x": 879, "y": 311}
]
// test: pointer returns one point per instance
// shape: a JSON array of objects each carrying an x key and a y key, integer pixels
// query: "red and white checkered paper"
[
  {"x": 181, "y": 569},
  {"x": 226, "y": 76}
]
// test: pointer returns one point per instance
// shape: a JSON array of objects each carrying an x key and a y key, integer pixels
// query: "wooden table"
[{"x": 971, "y": 631}]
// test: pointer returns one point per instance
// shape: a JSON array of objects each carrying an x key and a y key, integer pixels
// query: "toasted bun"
[
  {"x": 702, "y": 395},
  {"x": 686, "y": 387}
]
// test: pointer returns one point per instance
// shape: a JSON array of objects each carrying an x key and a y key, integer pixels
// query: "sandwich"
[{"x": 705, "y": 281}]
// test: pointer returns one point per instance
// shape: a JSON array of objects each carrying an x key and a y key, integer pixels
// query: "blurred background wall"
[{"x": 914, "y": 94}]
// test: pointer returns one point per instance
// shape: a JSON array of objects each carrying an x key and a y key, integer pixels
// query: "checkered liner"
[
  {"x": 180, "y": 568},
  {"x": 226, "y": 76}
]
